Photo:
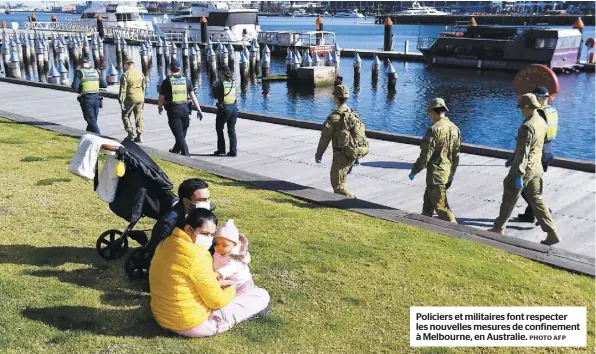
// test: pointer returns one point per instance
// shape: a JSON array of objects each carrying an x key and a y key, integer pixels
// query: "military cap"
[
  {"x": 341, "y": 91},
  {"x": 540, "y": 91},
  {"x": 85, "y": 59},
  {"x": 128, "y": 60},
  {"x": 528, "y": 101},
  {"x": 437, "y": 103}
]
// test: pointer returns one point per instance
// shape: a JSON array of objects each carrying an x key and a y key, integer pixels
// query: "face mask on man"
[{"x": 199, "y": 205}]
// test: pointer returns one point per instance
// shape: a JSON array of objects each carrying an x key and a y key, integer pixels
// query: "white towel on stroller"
[{"x": 84, "y": 160}]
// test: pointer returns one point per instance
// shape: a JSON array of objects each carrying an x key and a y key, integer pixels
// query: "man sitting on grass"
[
  {"x": 193, "y": 194},
  {"x": 186, "y": 297}
]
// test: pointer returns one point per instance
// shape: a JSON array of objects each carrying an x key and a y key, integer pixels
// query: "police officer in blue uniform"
[
  {"x": 227, "y": 111},
  {"x": 175, "y": 94},
  {"x": 87, "y": 83}
]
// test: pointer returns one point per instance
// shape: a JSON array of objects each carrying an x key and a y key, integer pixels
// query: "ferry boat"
[
  {"x": 418, "y": 10},
  {"x": 351, "y": 14},
  {"x": 316, "y": 42},
  {"x": 116, "y": 14},
  {"x": 226, "y": 21},
  {"x": 502, "y": 47}
]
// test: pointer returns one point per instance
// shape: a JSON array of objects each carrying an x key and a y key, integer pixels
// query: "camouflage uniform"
[
  {"x": 341, "y": 165},
  {"x": 527, "y": 164},
  {"x": 439, "y": 153},
  {"x": 132, "y": 97}
]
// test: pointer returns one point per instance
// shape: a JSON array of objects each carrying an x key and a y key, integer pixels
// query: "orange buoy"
[
  {"x": 33, "y": 18},
  {"x": 578, "y": 24},
  {"x": 319, "y": 23},
  {"x": 473, "y": 22},
  {"x": 54, "y": 19}
]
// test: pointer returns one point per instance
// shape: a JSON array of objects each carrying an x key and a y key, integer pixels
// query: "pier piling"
[
  {"x": 265, "y": 65},
  {"x": 391, "y": 78},
  {"x": 388, "y": 36},
  {"x": 53, "y": 75},
  {"x": 203, "y": 30},
  {"x": 357, "y": 66}
]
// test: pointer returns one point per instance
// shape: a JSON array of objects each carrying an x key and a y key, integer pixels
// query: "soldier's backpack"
[{"x": 352, "y": 138}]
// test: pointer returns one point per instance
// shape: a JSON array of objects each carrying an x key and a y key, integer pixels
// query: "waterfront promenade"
[{"x": 287, "y": 153}]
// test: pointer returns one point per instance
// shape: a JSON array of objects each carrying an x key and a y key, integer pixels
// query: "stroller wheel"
[
  {"x": 111, "y": 245},
  {"x": 137, "y": 263}
]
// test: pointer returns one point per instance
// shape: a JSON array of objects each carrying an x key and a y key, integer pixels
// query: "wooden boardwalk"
[{"x": 287, "y": 153}]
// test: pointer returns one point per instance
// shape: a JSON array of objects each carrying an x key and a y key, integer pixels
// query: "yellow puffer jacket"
[{"x": 184, "y": 288}]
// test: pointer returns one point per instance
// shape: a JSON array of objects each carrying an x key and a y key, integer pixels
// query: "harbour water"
[{"x": 481, "y": 103}]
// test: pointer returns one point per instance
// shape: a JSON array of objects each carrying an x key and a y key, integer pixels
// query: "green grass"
[{"x": 339, "y": 281}]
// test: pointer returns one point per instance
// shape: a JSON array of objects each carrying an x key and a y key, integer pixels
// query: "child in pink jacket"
[{"x": 231, "y": 258}]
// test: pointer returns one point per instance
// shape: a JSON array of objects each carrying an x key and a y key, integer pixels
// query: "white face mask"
[
  {"x": 200, "y": 205},
  {"x": 203, "y": 240}
]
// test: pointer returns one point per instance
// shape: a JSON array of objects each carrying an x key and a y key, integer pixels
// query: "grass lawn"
[{"x": 339, "y": 281}]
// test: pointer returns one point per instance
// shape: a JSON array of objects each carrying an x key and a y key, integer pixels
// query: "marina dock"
[
  {"x": 487, "y": 19},
  {"x": 286, "y": 153}
]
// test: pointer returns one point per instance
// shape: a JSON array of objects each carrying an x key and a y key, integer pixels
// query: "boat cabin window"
[
  {"x": 111, "y": 7},
  {"x": 545, "y": 43},
  {"x": 232, "y": 18},
  {"x": 568, "y": 42},
  {"x": 88, "y": 15},
  {"x": 127, "y": 17}
]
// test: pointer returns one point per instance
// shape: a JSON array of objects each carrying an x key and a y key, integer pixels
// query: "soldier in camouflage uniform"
[
  {"x": 439, "y": 153},
  {"x": 332, "y": 132},
  {"x": 132, "y": 98},
  {"x": 526, "y": 171}
]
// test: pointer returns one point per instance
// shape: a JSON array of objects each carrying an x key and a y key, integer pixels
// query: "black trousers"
[
  {"x": 90, "y": 108},
  {"x": 179, "y": 125},
  {"x": 226, "y": 114}
]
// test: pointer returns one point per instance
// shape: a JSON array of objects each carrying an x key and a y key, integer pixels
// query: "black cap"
[
  {"x": 540, "y": 91},
  {"x": 175, "y": 65},
  {"x": 225, "y": 70},
  {"x": 84, "y": 59}
]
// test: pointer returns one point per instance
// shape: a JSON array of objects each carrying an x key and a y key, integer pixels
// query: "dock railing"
[{"x": 59, "y": 26}]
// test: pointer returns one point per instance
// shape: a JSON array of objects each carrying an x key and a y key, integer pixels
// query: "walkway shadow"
[
  {"x": 118, "y": 322},
  {"x": 298, "y": 203},
  {"x": 388, "y": 164}
]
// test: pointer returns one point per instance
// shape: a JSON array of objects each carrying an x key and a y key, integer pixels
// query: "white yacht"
[
  {"x": 227, "y": 21},
  {"x": 116, "y": 14},
  {"x": 351, "y": 14},
  {"x": 418, "y": 9}
]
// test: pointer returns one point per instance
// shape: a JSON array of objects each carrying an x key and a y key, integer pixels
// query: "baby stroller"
[{"x": 143, "y": 190}]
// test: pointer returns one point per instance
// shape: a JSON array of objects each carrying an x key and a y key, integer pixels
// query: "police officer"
[
  {"x": 132, "y": 98},
  {"x": 335, "y": 130},
  {"x": 439, "y": 153},
  {"x": 174, "y": 95},
  {"x": 551, "y": 116},
  {"x": 87, "y": 83},
  {"x": 224, "y": 91},
  {"x": 526, "y": 171}
]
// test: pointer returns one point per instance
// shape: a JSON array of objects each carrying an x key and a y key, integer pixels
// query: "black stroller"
[{"x": 144, "y": 190}]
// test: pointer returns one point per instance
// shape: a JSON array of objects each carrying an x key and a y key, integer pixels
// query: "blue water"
[{"x": 481, "y": 103}]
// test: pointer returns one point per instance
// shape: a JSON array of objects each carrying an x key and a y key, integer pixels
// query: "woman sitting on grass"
[{"x": 185, "y": 295}]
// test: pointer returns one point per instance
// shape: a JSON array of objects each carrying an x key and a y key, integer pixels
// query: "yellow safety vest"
[
  {"x": 229, "y": 92},
  {"x": 179, "y": 91},
  {"x": 552, "y": 121},
  {"x": 89, "y": 81}
]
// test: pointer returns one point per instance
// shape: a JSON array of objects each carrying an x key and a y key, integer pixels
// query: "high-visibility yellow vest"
[
  {"x": 89, "y": 81},
  {"x": 229, "y": 92},
  {"x": 179, "y": 91},
  {"x": 552, "y": 120}
]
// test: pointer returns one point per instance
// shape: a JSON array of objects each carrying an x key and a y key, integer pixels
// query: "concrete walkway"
[{"x": 287, "y": 153}]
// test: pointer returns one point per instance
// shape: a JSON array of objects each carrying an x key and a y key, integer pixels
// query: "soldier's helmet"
[
  {"x": 528, "y": 101},
  {"x": 437, "y": 103},
  {"x": 341, "y": 91}
]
